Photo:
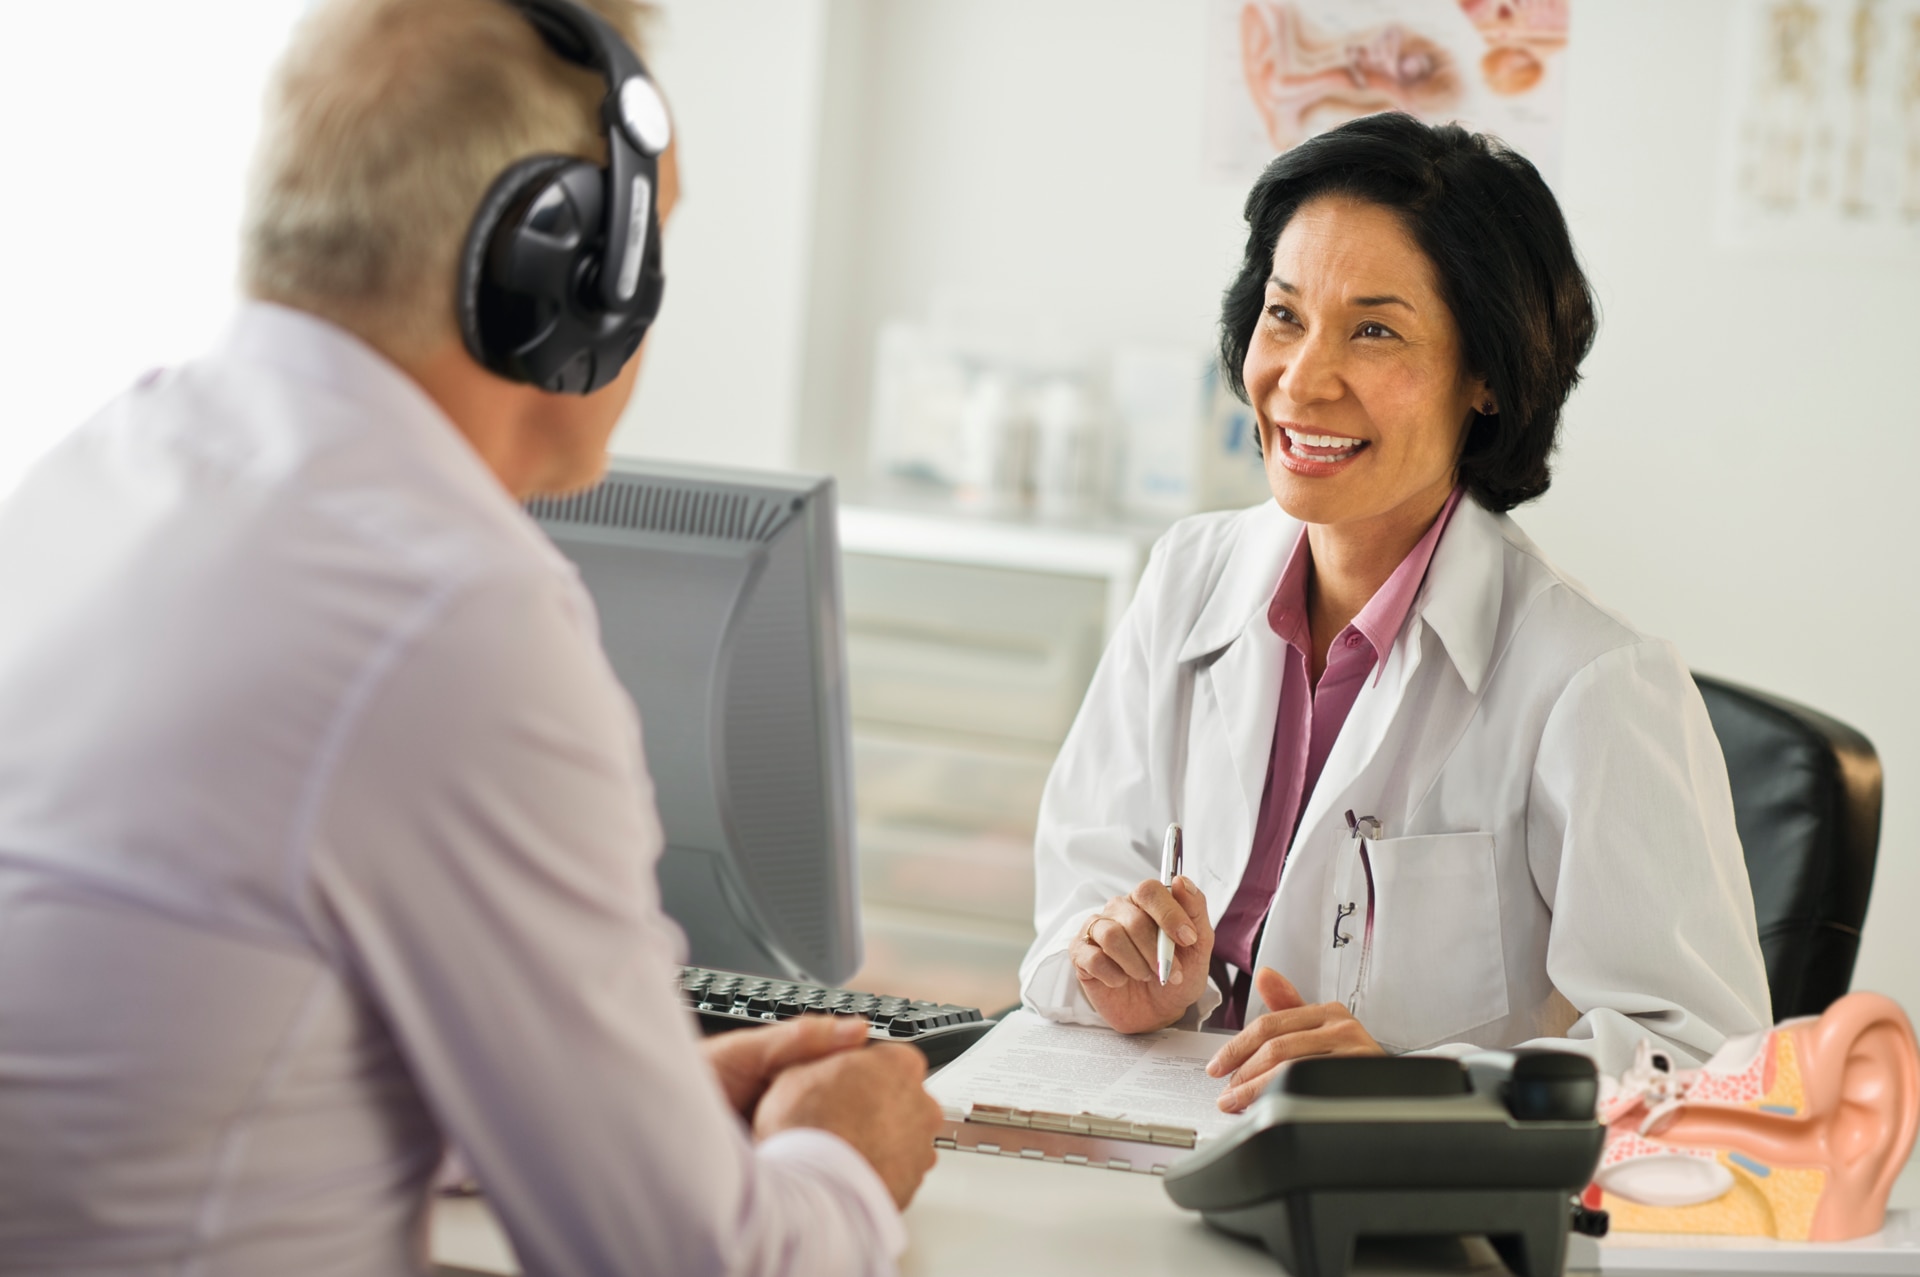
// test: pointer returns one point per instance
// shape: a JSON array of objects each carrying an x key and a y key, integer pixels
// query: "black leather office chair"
[{"x": 1806, "y": 799}]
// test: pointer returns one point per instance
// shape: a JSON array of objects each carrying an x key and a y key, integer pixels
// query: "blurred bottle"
[
  {"x": 996, "y": 448},
  {"x": 1189, "y": 443},
  {"x": 1070, "y": 471}
]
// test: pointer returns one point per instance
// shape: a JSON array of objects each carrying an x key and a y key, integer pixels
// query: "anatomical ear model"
[
  {"x": 1795, "y": 1133},
  {"x": 1521, "y": 35},
  {"x": 1295, "y": 73}
]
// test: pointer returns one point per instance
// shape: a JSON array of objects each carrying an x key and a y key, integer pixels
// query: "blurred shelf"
[
  {"x": 1112, "y": 553},
  {"x": 965, "y": 876},
  {"x": 947, "y": 781},
  {"x": 970, "y": 644},
  {"x": 916, "y": 954},
  {"x": 983, "y": 651}
]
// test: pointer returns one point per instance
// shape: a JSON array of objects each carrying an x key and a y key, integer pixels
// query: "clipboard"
[{"x": 1077, "y": 1139}]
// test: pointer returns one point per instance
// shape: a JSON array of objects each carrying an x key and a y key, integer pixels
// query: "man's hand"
[
  {"x": 1289, "y": 1030},
  {"x": 873, "y": 1099},
  {"x": 1116, "y": 955},
  {"x": 746, "y": 1060}
]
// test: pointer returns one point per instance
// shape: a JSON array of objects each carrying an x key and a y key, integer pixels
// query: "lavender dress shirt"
[{"x": 326, "y": 838}]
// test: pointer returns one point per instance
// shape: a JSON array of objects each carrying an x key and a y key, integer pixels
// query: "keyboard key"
[{"x": 724, "y": 997}]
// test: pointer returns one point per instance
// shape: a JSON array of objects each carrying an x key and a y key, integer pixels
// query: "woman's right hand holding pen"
[{"x": 1115, "y": 955}]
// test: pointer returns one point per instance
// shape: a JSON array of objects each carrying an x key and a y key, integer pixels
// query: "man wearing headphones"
[{"x": 325, "y": 831}]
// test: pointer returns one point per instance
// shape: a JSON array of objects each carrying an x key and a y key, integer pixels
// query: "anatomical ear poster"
[
  {"x": 1281, "y": 71},
  {"x": 1821, "y": 148}
]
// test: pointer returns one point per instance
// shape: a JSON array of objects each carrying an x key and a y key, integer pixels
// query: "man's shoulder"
[{"x": 363, "y": 465}]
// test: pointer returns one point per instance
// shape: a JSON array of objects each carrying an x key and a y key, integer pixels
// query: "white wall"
[
  {"x": 1740, "y": 468},
  {"x": 1043, "y": 156},
  {"x": 126, "y": 157},
  {"x": 1739, "y": 471},
  {"x": 124, "y": 195},
  {"x": 722, "y": 380}
]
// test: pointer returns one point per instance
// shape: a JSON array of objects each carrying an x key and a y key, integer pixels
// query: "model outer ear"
[
  {"x": 1259, "y": 63},
  {"x": 1864, "y": 1090}
]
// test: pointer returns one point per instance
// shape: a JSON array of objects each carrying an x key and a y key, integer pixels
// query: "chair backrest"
[{"x": 1806, "y": 799}]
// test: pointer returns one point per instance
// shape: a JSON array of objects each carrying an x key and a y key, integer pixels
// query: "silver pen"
[{"x": 1172, "y": 865}]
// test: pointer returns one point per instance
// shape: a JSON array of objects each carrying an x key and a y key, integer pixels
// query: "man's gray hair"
[{"x": 384, "y": 125}]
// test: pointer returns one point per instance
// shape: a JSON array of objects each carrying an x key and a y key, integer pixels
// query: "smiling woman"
[
  {"x": 1471, "y": 228},
  {"x": 1435, "y": 797}
]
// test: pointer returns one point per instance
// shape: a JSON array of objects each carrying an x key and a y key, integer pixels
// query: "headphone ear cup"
[{"x": 477, "y": 301}]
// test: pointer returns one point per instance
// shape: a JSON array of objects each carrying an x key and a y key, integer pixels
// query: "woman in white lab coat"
[{"x": 1433, "y": 793}]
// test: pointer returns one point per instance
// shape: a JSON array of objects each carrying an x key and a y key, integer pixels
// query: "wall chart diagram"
[
  {"x": 1283, "y": 70},
  {"x": 1821, "y": 145}
]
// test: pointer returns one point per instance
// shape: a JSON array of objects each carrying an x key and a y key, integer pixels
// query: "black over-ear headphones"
[{"x": 561, "y": 273}]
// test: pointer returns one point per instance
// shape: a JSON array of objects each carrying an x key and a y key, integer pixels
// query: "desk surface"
[{"x": 977, "y": 1214}]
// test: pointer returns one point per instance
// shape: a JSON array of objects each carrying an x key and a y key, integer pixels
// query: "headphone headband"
[
  {"x": 636, "y": 124},
  {"x": 561, "y": 274}
]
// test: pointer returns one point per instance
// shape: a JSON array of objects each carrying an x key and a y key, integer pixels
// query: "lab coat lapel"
[
  {"x": 1460, "y": 602},
  {"x": 1378, "y": 765},
  {"x": 1237, "y": 659},
  {"x": 1367, "y": 726},
  {"x": 1244, "y": 685}
]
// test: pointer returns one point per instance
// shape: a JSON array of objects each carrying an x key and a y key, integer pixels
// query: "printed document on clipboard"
[{"x": 1087, "y": 1096}]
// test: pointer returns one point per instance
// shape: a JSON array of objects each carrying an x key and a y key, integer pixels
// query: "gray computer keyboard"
[{"x": 725, "y": 1000}]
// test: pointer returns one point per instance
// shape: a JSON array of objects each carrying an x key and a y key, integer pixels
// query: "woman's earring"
[{"x": 1489, "y": 409}]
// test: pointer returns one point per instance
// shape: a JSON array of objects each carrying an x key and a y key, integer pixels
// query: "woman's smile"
[{"x": 1313, "y": 454}]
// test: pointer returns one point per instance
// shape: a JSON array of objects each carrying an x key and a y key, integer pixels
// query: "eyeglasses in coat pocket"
[{"x": 1435, "y": 965}]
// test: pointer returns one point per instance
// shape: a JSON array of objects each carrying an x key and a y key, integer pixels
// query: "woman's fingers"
[
  {"x": 1115, "y": 938},
  {"x": 1252, "y": 1077},
  {"x": 1122, "y": 943},
  {"x": 1276, "y": 990},
  {"x": 1248, "y": 1061},
  {"x": 1340, "y": 1035},
  {"x": 1194, "y": 902},
  {"x": 1093, "y": 964},
  {"x": 1145, "y": 935},
  {"x": 1165, "y": 912},
  {"x": 1241, "y": 1046}
]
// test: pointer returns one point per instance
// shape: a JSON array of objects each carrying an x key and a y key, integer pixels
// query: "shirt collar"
[
  {"x": 324, "y": 355},
  {"x": 1380, "y": 621},
  {"x": 1385, "y": 614},
  {"x": 1459, "y": 598}
]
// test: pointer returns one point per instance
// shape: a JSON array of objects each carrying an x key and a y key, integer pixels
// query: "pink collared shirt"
[{"x": 1308, "y": 723}]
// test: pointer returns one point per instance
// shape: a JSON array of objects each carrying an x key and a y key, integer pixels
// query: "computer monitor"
[{"x": 720, "y": 609}]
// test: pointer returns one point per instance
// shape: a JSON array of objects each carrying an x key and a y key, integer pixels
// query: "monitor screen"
[{"x": 720, "y": 609}]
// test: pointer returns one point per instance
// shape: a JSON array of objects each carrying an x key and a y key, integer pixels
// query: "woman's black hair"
[{"x": 1506, "y": 266}]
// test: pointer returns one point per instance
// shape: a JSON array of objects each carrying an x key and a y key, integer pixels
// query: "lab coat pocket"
[{"x": 1435, "y": 965}]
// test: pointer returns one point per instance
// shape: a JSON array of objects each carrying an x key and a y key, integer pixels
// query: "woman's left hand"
[{"x": 1289, "y": 1030}]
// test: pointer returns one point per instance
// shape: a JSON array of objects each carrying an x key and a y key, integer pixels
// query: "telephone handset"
[{"x": 1340, "y": 1147}]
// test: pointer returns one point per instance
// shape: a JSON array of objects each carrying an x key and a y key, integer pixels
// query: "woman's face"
[{"x": 1355, "y": 370}]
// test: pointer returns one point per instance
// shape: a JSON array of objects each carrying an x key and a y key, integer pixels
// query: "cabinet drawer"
[
  {"x": 990, "y": 652},
  {"x": 983, "y": 876},
  {"x": 948, "y": 782}
]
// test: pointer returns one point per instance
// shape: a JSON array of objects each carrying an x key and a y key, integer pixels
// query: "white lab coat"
[{"x": 1557, "y": 861}]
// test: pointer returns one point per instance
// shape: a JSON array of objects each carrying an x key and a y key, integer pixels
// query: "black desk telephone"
[{"x": 1337, "y": 1148}]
